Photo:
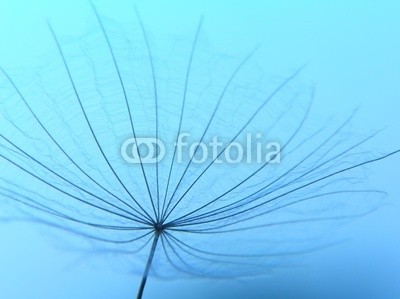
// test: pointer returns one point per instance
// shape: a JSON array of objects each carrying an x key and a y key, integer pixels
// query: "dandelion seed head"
[{"x": 62, "y": 134}]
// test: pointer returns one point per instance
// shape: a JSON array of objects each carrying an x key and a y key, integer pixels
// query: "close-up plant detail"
[{"x": 81, "y": 138}]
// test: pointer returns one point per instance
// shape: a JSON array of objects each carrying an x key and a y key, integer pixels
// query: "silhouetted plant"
[{"x": 61, "y": 136}]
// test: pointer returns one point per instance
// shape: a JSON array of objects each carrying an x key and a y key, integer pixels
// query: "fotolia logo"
[{"x": 150, "y": 150}]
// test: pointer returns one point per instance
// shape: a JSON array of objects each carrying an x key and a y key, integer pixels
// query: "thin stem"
[{"x": 148, "y": 265}]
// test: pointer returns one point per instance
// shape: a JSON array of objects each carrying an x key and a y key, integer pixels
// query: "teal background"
[{"x": 352, "y": 48}]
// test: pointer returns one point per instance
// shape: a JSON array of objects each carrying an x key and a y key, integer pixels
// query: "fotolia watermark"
[{"x": 150, "y": 150}]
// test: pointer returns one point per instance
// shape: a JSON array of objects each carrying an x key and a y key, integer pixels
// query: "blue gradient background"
[{"x": 352, "y": 48}]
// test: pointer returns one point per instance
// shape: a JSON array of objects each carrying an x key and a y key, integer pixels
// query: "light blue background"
[{"x": 352, "y": 48}]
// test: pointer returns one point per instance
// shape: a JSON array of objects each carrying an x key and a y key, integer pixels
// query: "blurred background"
[{"x": 352, "y": 50}]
